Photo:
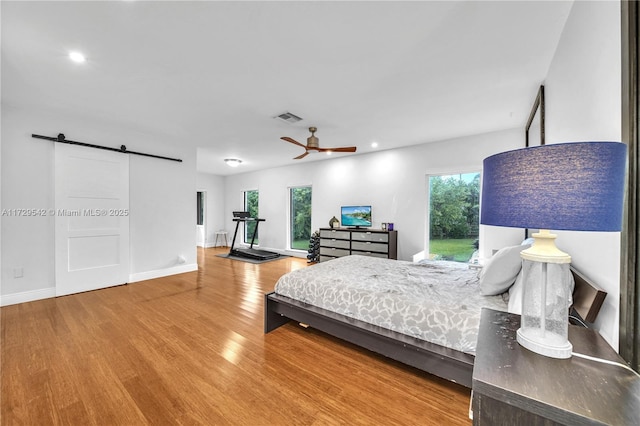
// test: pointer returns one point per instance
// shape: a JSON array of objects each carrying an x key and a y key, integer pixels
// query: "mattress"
[{"x": 436, "y": 301}]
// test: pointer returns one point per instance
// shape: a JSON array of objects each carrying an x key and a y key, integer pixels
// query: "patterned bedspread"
[{"x": 438, "y": 301}]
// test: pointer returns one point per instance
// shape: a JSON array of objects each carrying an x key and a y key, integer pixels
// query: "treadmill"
[{"x": 249, "y": 253}]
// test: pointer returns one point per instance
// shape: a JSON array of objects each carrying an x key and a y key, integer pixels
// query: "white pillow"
[{"x": 500, "y": 272}]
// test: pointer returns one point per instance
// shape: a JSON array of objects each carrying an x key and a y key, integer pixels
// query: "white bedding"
[{"x": 439, "y": 302}]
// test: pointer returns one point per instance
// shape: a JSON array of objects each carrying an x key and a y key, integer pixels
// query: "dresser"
[
  {"x": 514, "y": 386},
  {"x": 338, "y": 242}
]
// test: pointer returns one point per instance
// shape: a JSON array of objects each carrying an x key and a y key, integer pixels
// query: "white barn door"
[{"x": 92, "y": 218}]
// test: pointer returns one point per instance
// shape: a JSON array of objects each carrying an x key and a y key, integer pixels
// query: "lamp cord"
[
  {"x": 578, "y": 319},
  {"x": 605, "y": 361}
]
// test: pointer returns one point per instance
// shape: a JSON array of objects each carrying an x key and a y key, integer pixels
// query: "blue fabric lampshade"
[{"x": 569, "y": 186}]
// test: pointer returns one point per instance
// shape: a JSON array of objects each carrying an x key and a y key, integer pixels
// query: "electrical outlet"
[{"x": 18, "y": 273}]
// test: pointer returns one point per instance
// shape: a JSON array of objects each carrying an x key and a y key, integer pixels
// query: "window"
[
  {"x": 251, "y": 206},
  {"x": 454, "y": 216},
  {"x": 300, "y": 217}
]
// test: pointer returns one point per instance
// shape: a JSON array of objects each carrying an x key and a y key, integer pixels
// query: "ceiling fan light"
[{"x": 232, "y": 162}]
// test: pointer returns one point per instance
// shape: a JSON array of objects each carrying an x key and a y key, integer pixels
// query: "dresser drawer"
[
  {"x": 326, "y": 242},
  {"x": 371, "y": 254},
  {"x": 333, "y": 233},
  {"x": 326, "y": 258},
  {"x": 380, "y": 237},
  {"x": 368, "y": 246},
  {"x": 330, "y": 251}
]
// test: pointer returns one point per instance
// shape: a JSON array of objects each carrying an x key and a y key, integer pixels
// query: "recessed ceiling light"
[
  {"x": 77, "y": 57},
  {"x": 232, "y": 162},
  {"x": 374, "y": 144}
]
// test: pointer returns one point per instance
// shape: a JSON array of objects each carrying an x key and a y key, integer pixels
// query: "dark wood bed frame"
[{"x": 447, "y": 363}]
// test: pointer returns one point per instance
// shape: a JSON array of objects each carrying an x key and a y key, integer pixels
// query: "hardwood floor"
[{"x": 190, "y": 349}]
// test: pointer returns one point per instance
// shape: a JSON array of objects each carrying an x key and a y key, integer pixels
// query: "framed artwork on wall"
[{"x": 534, "y": 132}]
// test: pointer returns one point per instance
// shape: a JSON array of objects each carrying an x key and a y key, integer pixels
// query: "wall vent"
[{"x": 288, "y": 117}]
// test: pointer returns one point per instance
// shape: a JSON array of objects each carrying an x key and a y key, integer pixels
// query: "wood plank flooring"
[{"x": 190, "y": 349}]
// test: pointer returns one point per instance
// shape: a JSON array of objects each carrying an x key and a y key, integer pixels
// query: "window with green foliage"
[
  {"x": 454, "y": 216},
  {"x": 300, "y": 217},
  {"x": 251, "y": 206}
]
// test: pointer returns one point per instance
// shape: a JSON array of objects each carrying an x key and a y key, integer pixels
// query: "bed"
[{"x": 425, "y": 315}]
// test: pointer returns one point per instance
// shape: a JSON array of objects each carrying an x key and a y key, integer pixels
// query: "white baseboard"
[
  {"x": 210, "y": 245},
  {"x": 159, "y": 273},
  {"x": 27, "y": 296},
  {"x": 295, "y": 253},
  {"x": 46, "y": 293}
]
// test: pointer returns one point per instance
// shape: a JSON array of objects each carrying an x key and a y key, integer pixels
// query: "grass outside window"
[{"x": 458, "y": 250}]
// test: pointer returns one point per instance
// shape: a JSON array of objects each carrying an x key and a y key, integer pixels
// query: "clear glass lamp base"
[{"x": 548, "y": 343}]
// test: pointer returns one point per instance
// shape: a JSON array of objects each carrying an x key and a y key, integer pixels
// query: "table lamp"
[{"x": 574, "y": 186}]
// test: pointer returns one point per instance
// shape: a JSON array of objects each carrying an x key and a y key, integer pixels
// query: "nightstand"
[{"x": 513, "y": 386}]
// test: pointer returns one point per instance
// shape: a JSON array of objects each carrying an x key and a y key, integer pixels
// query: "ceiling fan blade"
[
  {"x": 341, "y": 149},
  {"x": 288, "y": 139},
  {"x": 301, "y": 156}
]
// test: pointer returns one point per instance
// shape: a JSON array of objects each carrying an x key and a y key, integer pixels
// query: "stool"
[{"x": 222, "y": 234}]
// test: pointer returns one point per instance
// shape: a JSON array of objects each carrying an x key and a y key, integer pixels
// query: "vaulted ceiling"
[{"x": 213, "y": 75}]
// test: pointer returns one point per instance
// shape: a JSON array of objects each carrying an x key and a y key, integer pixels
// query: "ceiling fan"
[{"x": 313, "y": 144}]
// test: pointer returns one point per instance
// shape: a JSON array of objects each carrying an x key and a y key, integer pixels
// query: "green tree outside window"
[
  {"x": 300, "y": 217},
  {"x": 251, "y": 206},
  {"x": 454, "y": 216}
]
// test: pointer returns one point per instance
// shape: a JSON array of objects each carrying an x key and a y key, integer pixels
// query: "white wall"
[
  {"x": 213, "y": 186},
  {"x": 393, "y": 182},
  {"x": 583, "y": 103},
  {"x": 162, "y": 205}
]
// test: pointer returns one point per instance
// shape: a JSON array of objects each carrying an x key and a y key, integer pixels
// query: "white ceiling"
[{"x": 214, "y": 74}]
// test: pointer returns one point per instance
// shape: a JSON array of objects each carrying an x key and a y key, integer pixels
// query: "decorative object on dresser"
[
  {"x": 343, "y": 242},
  {"x": 570, "y": 186},
  {"x": 334, "y": 222},
  {"x": 512, "y": 386}
]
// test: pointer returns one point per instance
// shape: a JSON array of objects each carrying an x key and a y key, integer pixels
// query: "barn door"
[{"x": 92, "y": 218}]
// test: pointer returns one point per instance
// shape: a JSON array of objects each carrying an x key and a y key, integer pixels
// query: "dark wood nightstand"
[{"x": 514, "y": 386}]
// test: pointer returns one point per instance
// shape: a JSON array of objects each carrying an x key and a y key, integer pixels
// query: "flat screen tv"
[{"x": 356, "y": 216}]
